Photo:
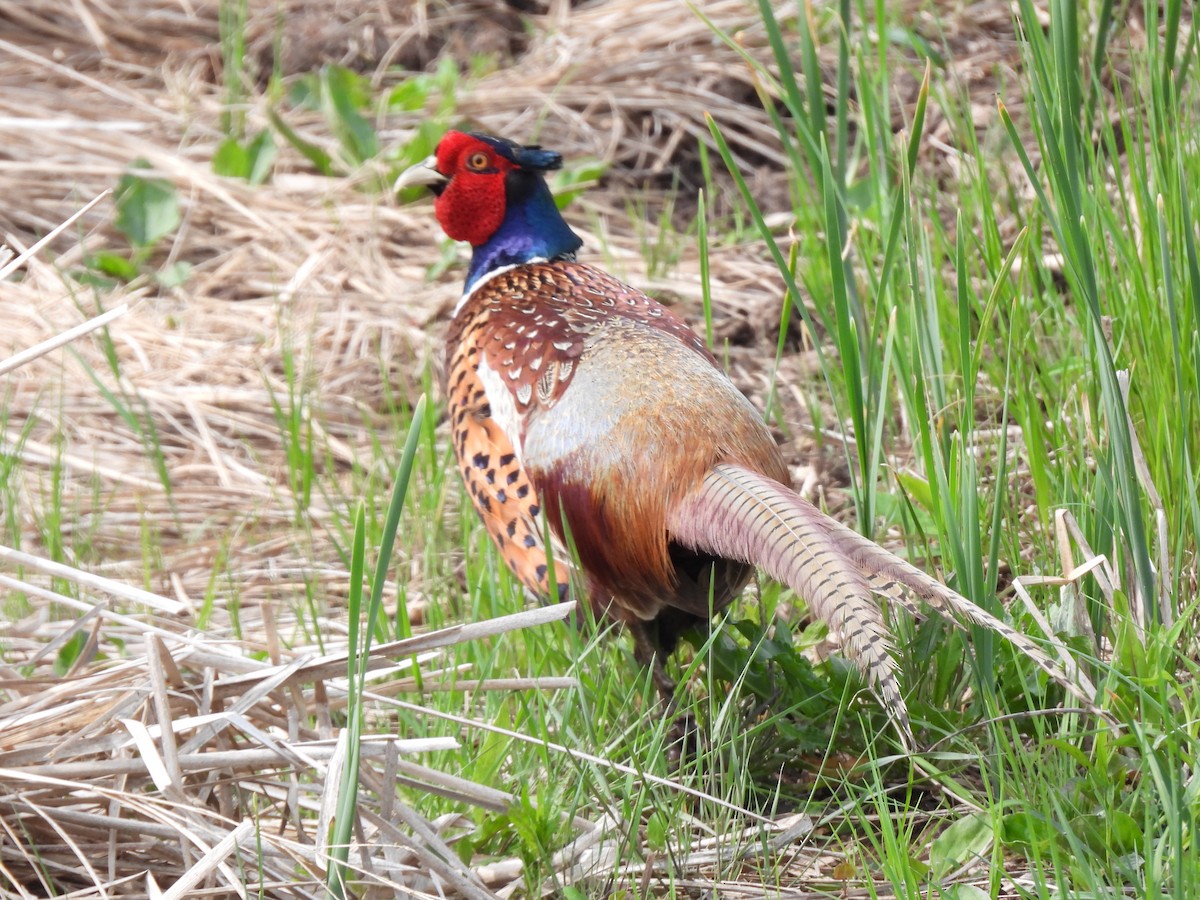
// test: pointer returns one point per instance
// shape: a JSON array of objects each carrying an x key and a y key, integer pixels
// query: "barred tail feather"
[
  {"x": 739, "y": 514},
  {"x": 894, "y": 576}
]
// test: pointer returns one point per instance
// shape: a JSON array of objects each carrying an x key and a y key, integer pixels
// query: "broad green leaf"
[
  {"x": 916, "y": 487},
  {"x": 1109, "y": 831},
  {"x": 147, "y": 207},
  {"x": 231, "y": 159},
  {"x": 251, "y": 162},
  {"x": 409, "y": 95},
  {"x": 261, "y": 153},
  {"x": 342, "y": 95},
  {"x": 1028, "y": 832},
  {"x": 966, "y": 892},
  {"x": 570, "y": 183},
  {"x": 967, "y": 839}
]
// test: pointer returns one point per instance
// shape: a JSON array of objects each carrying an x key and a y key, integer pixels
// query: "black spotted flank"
[{"x": 480, "y": 460}]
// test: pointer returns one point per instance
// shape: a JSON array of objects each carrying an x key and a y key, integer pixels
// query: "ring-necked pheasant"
[{"x": 575, "y": 398}]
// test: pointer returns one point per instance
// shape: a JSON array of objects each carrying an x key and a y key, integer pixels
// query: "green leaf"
[
  {"x": 658, "y": 831},
  {"x": 113, "y": 264},
  {"x": 409, "y": 95},
  {"x": 261, "y": 152},
  {"x": 1109, "y": 831},
  {"x": 321, "y": 160},
  {"x": 966, "y": 840},
  {"x": 570, "y": 183},
  {"x": 917, "y": 488},
  {"x": 304, "y": 92},
  {"x": 69, "y": 653},
  {"x": 251, "y": 162},
  {"x": 174, "y": 275},
  {"x": 356, "y": 663},
  {"x": 343, "y": 93},
  {"x": 147, "y": 207},
  {"x": 965, "y": 892},
  {"x": 1029, "y": 832},
  {"x": 918, "y": 123},
  {"x": 231, "y": 159}
]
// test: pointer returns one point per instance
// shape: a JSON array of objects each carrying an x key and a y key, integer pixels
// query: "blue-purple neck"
[{"x": 532, "y": 229}]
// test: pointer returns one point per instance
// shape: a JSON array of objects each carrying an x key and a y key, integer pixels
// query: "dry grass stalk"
[{"x": 144, "y": 755}]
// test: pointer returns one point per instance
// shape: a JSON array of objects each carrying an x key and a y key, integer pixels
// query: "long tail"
[
  {"x": 742, "y": 515},
  {"x": 894, "y": 577},
  {"x": 739, "y": 514}
]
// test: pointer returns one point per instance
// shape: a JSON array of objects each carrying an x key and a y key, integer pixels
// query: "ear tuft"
[
  {"x": 532, "y": 158},
  {"x": 536, "y": 158}
]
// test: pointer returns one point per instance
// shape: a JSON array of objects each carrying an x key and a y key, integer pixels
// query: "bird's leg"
[
  {"x": 647, "y": 652},
  {"x": 682, "y": 738}
]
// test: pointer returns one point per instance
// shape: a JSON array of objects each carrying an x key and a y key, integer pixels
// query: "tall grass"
[
  {"x": 942, "y": 338},
  {"x": 360, "y": 637}
]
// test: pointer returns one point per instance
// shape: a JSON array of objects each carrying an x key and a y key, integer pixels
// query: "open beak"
[{"x": 423, "y": 173}]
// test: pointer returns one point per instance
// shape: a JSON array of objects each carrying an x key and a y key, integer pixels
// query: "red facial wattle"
[{"x": 471, "y": 207}]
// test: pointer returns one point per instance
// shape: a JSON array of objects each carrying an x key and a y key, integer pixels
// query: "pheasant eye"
[{"x": 478, "y": 162}]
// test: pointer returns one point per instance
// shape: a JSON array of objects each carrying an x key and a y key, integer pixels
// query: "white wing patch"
[{"x": 500, "y": 399}]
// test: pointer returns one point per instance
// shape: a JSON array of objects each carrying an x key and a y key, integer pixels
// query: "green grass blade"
[
  {"x": 842, "y": 104},
  {"x": 391, "y": 523},
  {"x": 360, "y": 646},
  {"x": 705, "y": 284},
  {"x": 918, "y": 123},
  {"x": 342, "y": 827},
  {"x": 772, "y": 245},
  {"x": 811, "y": 114},
  {"x": 1056, "y": 99},
  {"x": 846, "y": 335}
]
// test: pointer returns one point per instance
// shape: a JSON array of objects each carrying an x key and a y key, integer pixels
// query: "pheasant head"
[{"x": 492, "y": 194}]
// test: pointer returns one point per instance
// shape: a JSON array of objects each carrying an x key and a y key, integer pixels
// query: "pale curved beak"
[{"x": 423, "y": 173}]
